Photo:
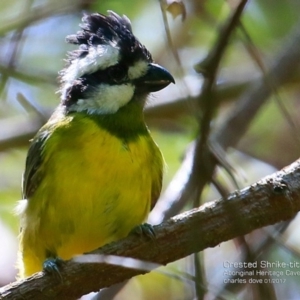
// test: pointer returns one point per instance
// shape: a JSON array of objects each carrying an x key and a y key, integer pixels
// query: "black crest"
[{"x": 98, "y": 29}]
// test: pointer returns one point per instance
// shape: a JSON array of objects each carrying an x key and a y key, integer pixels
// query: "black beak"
[{"x": 154, "y": 80}]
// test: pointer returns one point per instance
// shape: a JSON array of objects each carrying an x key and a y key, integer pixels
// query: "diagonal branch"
[
  {"x": 283, "y": 68},
  {"x": 271, "y": 200}
]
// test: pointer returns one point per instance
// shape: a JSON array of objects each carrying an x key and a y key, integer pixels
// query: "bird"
[{"x": 93, "y": 171}]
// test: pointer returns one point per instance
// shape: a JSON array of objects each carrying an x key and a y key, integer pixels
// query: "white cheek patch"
[
  {"x": 105, "y": 99},
  {"x": 138, "y": 69},
  {"x": 99, "y": 58}
]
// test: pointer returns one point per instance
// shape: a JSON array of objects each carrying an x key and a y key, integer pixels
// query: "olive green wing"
[{"x": 32, "y": 174}]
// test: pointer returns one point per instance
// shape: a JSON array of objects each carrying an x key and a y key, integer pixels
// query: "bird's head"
[{"x": 110, "y": 68}]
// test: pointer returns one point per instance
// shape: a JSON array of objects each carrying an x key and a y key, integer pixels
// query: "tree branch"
[
  {"x": 273, "y": 199},
  {"x": 240, "y": 118}
]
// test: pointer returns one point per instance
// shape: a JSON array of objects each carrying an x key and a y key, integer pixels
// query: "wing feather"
[{"x": 32, "y": 174}]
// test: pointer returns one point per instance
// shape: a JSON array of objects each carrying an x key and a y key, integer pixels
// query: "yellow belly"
[{"x": 96, "y": 187}]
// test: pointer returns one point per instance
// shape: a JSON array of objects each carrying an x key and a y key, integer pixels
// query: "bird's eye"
[{"x": 117, "y": 73}]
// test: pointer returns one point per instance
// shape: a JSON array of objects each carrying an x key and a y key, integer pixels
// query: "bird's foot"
[
  {"x": 142, "y": 230},
  {"x": 52, "y": 265}
]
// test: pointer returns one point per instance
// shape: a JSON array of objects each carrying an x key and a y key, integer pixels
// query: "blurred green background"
[{"x": 32, "y": 51}]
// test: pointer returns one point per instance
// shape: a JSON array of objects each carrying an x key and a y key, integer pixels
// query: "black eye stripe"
[
  {"x": 113, "y": 75},
  {"x": 84, "y": 85},
  {"x": 118, "y": 73},
  {"x": 97, "y": 77}
]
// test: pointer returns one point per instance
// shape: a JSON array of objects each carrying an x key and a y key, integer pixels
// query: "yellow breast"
[{"x": 96, "y": 187}]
